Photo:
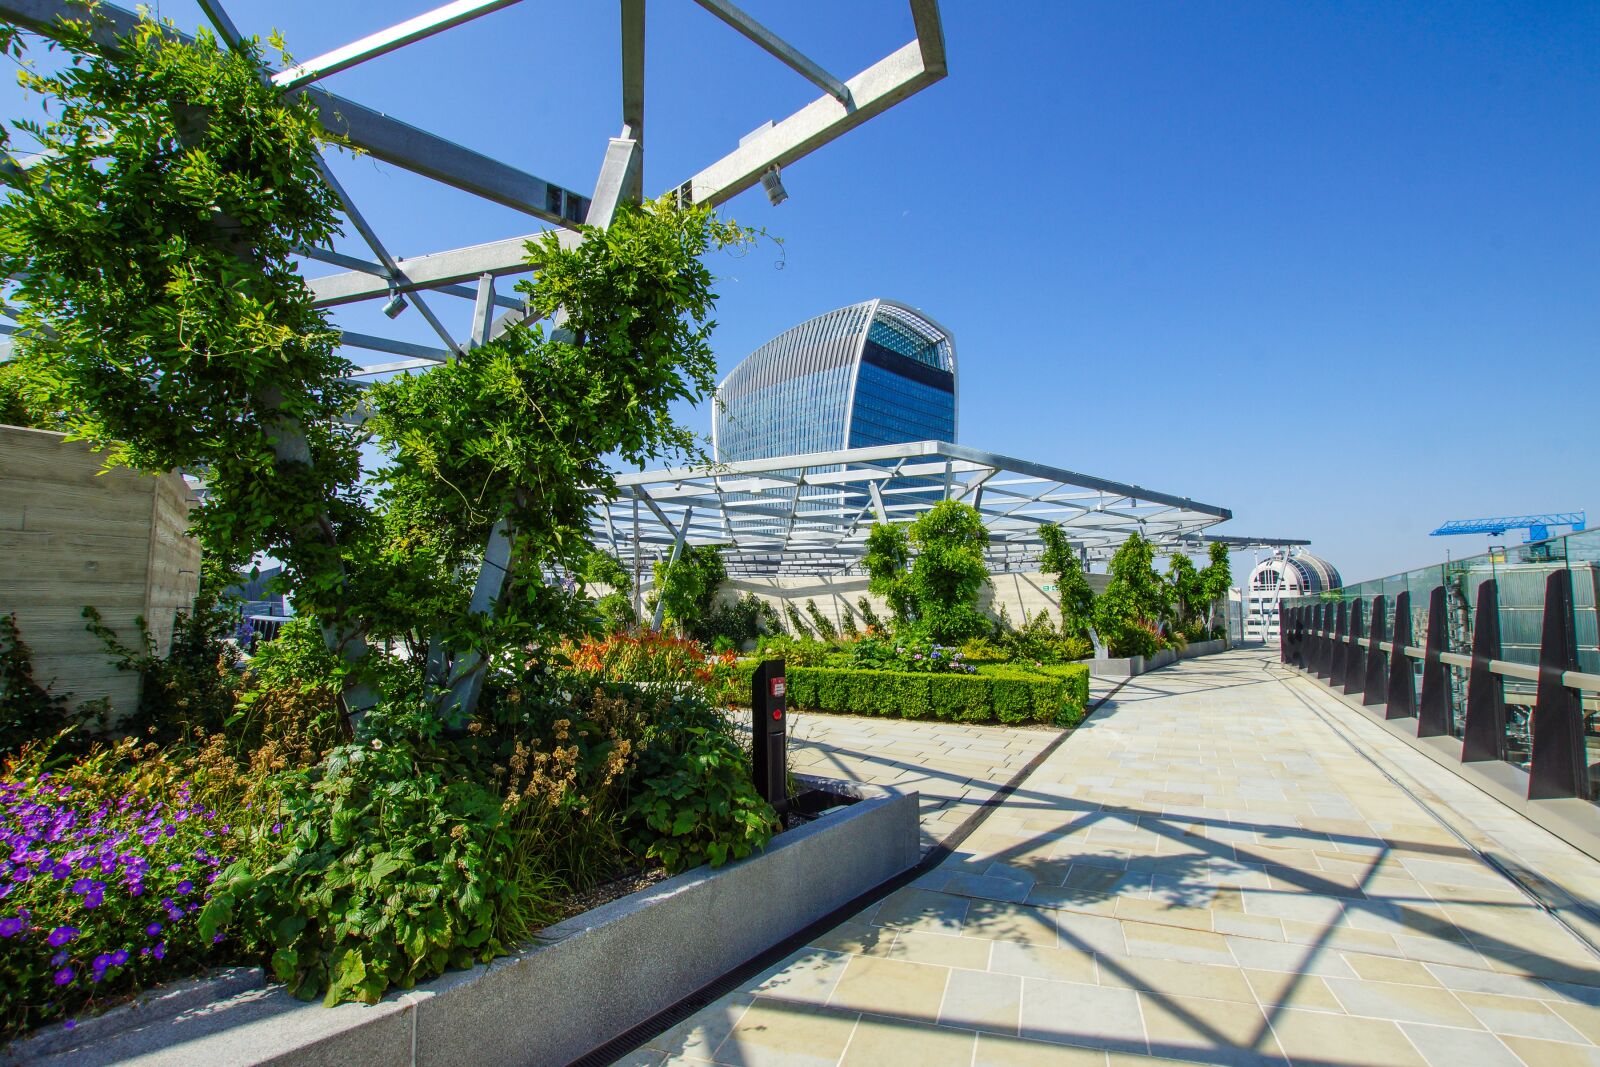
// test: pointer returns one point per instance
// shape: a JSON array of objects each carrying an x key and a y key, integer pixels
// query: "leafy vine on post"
[
  {"x": 161, "y": 311},
  {"x": 521, "y": 430},
  {"x": 1073, "y": 594}
]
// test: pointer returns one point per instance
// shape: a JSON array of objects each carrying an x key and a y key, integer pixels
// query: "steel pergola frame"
[
  {"x": 470, "y": 272},
  {"x": 809, "y": 515}
]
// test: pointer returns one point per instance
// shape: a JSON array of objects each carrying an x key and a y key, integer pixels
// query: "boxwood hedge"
[{"x": 1056, "y": 695}]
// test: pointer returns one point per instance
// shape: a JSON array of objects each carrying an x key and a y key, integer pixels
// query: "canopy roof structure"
[
  {"x": 810, "y": 514},
  {"x": 377, "y": 277}
]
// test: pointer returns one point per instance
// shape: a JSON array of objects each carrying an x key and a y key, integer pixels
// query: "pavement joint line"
[
  {"x": 1489, "y": 861},
  {"x": 634, "y": 1038}
]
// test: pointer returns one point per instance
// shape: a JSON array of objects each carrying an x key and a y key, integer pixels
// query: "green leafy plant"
[
  {"x": 936, "y": 590},
  {"x": 615, "y": 606},
  {"x": 688, "y": 585},
  {"x": 825, "y": 627},
  {"x": 1128, "y": 614},
  {"x": 797, "y": 623},
  {"x": 869, "y": 616},
  {"x": 695, "y": 802},
  {"x": 1073, "y": 595},
  {"x": 29, "y": 711},
  {"x": 887, "y": 556}
]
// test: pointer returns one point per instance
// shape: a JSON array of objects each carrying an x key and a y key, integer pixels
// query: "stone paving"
[
  {"x": 1206, "y": 871},
  {"x": 953, "y": 767}
]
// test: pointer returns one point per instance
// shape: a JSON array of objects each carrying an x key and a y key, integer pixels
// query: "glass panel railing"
[{"x": 1521, "y": 574}]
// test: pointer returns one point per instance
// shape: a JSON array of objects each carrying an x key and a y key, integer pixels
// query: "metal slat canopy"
[{"x": 810, "y": 514}]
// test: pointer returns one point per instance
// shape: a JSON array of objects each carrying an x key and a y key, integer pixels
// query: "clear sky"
[{"x": 1334, "y": 266}]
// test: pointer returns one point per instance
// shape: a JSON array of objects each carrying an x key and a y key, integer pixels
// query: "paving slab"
[{"x": 1225, "y": 864}]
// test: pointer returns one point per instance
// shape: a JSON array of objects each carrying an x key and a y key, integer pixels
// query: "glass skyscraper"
[{"x": 873, "y": 373}]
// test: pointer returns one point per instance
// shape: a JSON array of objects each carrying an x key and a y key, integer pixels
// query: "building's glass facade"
[{"x": 873, "y": 373}]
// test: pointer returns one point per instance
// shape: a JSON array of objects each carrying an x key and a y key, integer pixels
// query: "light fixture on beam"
[
  {"x": 395, "y": 304},
  {"x": 772, "y": 182}
]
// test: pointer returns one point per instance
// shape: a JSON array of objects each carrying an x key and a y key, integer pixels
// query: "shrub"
[
  {"x": 28, "y": 711},
  {"x": 736, "y": 622},
  {"x": 695, "y": 802},
  {"x": 997, "y": 694},
  {"x": 644, "y": 656},
  {"x": 796, "y": 623},
  {"x": 802, "y": 652},
  {"x": 915, "y": 654},
  {"x": 869, "y": 616},
  {"x": 983, "y": 650},
  {"x": 1040, "y": 642}
]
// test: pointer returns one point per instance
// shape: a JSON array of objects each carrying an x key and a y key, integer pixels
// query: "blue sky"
[{"x": 1334, "y": 266}]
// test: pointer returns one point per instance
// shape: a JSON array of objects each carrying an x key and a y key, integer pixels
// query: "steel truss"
[
  {"x": 810, "y": 514},
  {"x": 844, "y": 104}
]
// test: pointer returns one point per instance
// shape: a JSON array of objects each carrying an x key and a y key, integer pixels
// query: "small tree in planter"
[
  {"x": 936, "y": 590},
  {"x": 1128, "y": 614},
  {"x": 1073, "y": 594},
  {"x": 1216, "y": 578}
]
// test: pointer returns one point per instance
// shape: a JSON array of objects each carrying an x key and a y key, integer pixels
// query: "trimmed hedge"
[{"x": 996, "y": 694}]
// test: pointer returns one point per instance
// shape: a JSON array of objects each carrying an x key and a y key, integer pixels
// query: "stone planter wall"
[{"x": 592, "y": 978}]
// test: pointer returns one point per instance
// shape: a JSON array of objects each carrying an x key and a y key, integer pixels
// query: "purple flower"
[
  {"x": 277, "y": 827},
  {"x": 102, "y": 961},
  {"x": 119, "y": 957},
  {"x": 12, "y": 926},
  {"x": 160, "y": 951},
  {"x": 153, "y": 929},
  {"x": 94, "y": 899},
  {"x": 185, "y": 887},
  {"x": 65, "y": 975},
  {"x": 21, "y": 874},
  {"x": 70, "y": 1023},
  {"x": 215, "y": 938},
  {"x": 61, "y": 935}
]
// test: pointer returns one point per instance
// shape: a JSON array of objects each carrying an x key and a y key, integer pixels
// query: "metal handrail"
[{"x": 1527, "y": 672}]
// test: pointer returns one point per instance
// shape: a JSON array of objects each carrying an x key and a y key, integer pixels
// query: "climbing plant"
[
  {"x": 932, "y": 570},
  {"x": 688, "y": 585},
  {"x": 161, "y": 315},
  {"x": 1073, "y": 594}
]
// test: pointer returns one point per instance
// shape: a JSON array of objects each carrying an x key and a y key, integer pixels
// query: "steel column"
[
  {"x": 1559, "y": 764},
  {"x": 1433, "y": 714},
  {"x": 1483, "y": 734},
  {"x": 1402, "y": 689},
  {"x": 1284, "y": 639},
  {"x": 1376, "y": 688}
]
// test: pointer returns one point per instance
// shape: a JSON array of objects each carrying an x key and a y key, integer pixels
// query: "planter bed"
[
  {"x": 589, "y": 979},
  {"x": 998, "y": 693},
  {"x": 1133, "y": 666}
]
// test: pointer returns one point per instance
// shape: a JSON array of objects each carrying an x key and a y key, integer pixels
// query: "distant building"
[
  {"x": 1285, "y": 573},
  {"x": 874, "y": 373}
]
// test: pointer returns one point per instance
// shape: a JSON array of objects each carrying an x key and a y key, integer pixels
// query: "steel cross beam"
[
  {"x": 368, "y": 129},
  {"x": 876, "y": 89},
  {"x": 778, "y": 47},
  {"x": 386, "y": 41}
]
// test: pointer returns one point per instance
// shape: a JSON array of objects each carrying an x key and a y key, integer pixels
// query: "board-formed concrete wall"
[
  {"x": 73, "y": 535},
  {"x": 1021, "y": 593}
]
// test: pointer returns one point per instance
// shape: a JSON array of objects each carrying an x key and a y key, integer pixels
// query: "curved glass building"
[{"x": 873, "y": 373}]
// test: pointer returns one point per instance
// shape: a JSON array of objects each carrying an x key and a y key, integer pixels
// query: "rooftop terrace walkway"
[{"x": 1207, "y": 870}]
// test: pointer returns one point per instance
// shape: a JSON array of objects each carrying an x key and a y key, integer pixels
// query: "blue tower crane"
[{"x": 1538, "y": 526}]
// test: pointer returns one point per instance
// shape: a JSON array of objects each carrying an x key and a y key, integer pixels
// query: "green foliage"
[
  {"x": 913, "y": 653},
  {"x": 981, "y": 650},
  {"x": 525, "y": 428},
  {"x": 825, "y": 628},
  {"x": 1216, "y": 578},
  {"x": 1186, "y": 591},
  {"x": 887, "y": 556},
  {"x": 995, "y": 694},
  {"x": 695, "y": 803},
  {"x": 737, "y": 622},
  {"x": 688, "y": 586},
  {"x": 1073, "y": 594},
  {"x": 1128, "y": 614},
  {"x": 161, "y": 311},
  {"x": 869, "y": 616},
  {"x": 796, "y": 651},
  {"x": 615, "y": 607},
  {"x": 29, "y": 712},
  {"x": 193, "y": 687},
  {"x": 1039, "y": 641},
  {"x": 851, "y": 631},
  {"x": 949, "y": 571},
  {"x": 797, "y": 623},
  {"x": 392, "y": 872}
]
